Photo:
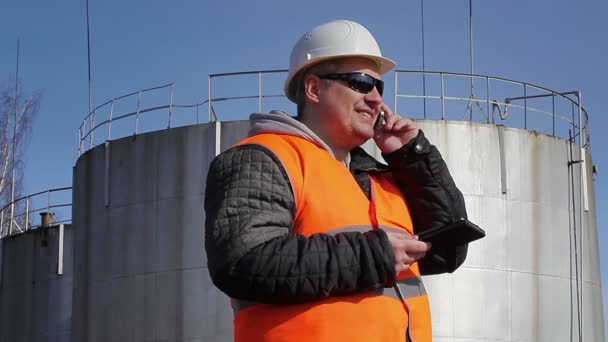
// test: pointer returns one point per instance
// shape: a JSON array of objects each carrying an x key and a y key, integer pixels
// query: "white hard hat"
[{"x": 335, "y": 39}]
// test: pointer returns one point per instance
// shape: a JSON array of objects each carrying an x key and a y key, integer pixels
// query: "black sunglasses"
[{"x": 357, "y": 81}]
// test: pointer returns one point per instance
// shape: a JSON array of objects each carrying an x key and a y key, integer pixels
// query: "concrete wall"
[
  {"x": 140, "y": 270},
  {"x": 35, "y": 301}
]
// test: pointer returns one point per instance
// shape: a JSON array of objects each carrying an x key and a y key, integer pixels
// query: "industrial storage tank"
[
  {"x": 140, "y": 267},
  {"x": 36, "y": 270}
]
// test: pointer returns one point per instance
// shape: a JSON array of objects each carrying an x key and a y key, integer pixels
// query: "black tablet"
[{"x": 458, "y": 233}]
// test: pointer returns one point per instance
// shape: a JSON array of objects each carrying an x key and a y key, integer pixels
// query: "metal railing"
[
  {"x": 88, "y": 126},
  {"x": 260, "y": 93},
  {"x": 494, "y": 106},
  {"x": 490, "y": 102},
  {"x": 17, "y": 217}
]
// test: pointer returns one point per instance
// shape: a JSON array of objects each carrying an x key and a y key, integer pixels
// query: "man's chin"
[{"x": 363, "y": 136}]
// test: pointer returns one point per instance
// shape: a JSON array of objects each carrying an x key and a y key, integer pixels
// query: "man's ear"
[{"x": 312, "y": 83}]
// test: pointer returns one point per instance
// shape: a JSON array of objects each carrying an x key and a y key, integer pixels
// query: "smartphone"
[
  {"x": 458, "y": 233},
  {"x": 380, "y": 120}
]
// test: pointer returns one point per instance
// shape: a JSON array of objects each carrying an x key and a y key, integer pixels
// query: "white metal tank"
[{"x": 140, "y": 270}]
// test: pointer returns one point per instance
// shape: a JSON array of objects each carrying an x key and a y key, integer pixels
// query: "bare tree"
[{"x": 16, "y": 116}]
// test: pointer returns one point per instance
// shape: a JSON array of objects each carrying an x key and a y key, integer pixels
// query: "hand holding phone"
[
  {"x": 380, "y": 120},
  {"x": 392, "y": 131}
]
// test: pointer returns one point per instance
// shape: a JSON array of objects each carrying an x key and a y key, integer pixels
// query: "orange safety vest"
[{"x": 329, "y": 200}]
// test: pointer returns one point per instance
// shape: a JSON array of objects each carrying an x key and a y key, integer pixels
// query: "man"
[{"x": 313, "y": 238}]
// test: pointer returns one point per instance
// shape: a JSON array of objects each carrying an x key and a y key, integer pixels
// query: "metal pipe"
[
  {"x": 576, "y": 262},
  {"x": 582, "y": 140},
  {"x": 502, "y": 158},
  {"x": 106, "y": 192},
  {"x": 471, "y": 48},
  {"x": 218, "y": 137},
  {"x": 248, "y": 72},
  {"x": 552, "y": 93},
  {"x": 60, "y": 251}
]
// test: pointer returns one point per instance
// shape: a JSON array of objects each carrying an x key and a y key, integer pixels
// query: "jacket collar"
[{"x": 361, "y": 161}]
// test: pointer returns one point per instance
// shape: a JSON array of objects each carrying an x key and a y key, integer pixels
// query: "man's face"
[{"x": 346, "y": 117}]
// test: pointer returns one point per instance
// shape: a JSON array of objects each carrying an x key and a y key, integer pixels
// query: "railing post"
[
  {"x": 10, "y": 224},
  {"x": 396, "y": 90},
  {"x": 259, "y": 92},
  {"x": 209, "y": 97},
  {"x": 1, "y": 222},
  {"x": 137, "y": 113},
  {"x": 91, "y": 125},
  {"x": 110, "y": 122},
  {"x": 424, "y": 94},
  {"x": 488, "y": 100},
  {"x": 573, "y": 120},
  {"x": 442, "y": 97},
  {"x": 580, "y": 118},
  {"x": 525, "y": 108},
  {"x": 48, "y": 201},
  {"x": 27, "y": 212},
  {"x": 553, "y": 113},
  {"x": 80, "y": 140},
  {"x": 170, "y": 106}
]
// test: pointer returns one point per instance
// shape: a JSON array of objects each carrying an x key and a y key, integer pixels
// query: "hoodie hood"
[{"x": 280, "y": 123}]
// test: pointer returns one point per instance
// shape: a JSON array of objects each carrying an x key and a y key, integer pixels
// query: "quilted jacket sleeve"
[
  {"x": 253, "y": 254},
  {"x": 432, "y": 195}
]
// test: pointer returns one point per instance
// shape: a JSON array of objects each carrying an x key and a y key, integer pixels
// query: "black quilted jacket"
[{"x": 253, "y": 254}]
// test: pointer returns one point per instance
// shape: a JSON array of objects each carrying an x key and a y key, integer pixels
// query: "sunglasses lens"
[
  {"x": 360, "y": 82},
  {"x": 361, "y": 86},
  {"x": 380, "y": 87},
  {"x": 365, "y": 84}
]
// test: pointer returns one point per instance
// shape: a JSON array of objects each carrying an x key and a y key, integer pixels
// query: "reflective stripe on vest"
[
  {"x": 329, "y": 200},
  {"x": 408, "y": 288}
]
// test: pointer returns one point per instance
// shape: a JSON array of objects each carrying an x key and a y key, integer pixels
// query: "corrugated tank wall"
[
  {"x": 35, "y": 300},
  {"x": 140, "y": 268}
]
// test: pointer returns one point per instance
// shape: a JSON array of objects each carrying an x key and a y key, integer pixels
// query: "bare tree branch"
[{"x": 14, "y": 136}]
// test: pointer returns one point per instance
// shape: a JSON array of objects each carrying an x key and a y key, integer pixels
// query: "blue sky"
[{"x": 557, "y": 44}]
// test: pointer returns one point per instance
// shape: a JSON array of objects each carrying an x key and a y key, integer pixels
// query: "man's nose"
[{"x": 373, "y": 99}]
